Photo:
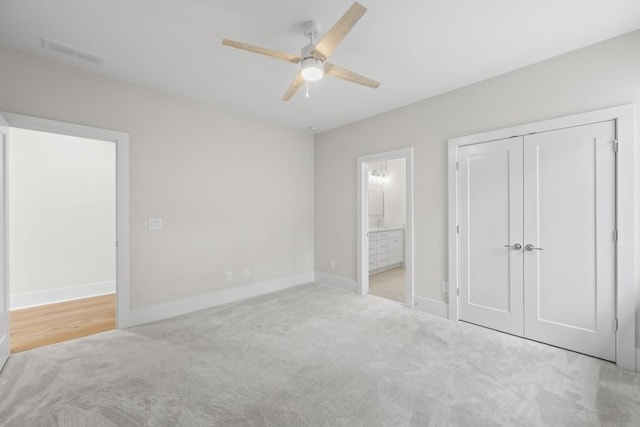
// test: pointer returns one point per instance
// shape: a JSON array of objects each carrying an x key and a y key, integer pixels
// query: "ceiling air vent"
[{"x": 70, "y": 50}]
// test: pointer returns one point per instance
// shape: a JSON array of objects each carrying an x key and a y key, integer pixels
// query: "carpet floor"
[{"x": 312, "y": 356}]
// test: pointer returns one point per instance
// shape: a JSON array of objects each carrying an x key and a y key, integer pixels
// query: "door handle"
[
  {"x": 530, "y": 248},
  {"x": 516, "y": 246}
]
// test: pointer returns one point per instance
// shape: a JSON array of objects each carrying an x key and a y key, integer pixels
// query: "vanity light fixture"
[{"x": 378, "y": 175}]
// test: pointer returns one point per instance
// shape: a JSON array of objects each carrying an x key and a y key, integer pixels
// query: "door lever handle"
[
  {"x": 530, "y": 248},
  {"x": 516, "y": 246}
]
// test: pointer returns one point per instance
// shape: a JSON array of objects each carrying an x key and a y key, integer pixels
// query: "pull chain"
[{"x": 307, "y": 85}]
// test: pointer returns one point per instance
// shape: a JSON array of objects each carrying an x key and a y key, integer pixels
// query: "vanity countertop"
[{"x": 385, "y": 228}]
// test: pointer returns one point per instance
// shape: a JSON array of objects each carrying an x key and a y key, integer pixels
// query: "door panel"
[
  {"x": 569, "y": 212},
  {"x": 490, "y": 217},
  {"x": 4, "y": 288}
]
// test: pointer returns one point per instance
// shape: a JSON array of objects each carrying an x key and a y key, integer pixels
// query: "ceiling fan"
[{"x": 313, "y": 58}]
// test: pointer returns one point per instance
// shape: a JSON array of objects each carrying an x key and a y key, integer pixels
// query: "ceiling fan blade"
[
  {"x": 295, "y": 59},
  {"x": 337, "y": 33},
  {"x": 343, "y": 73},
  {"x": 293, "y": 87}
]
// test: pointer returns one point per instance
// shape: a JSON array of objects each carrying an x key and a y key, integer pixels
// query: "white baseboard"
[
  {"x": 431, "y": 306},
  {"x": 32, "y": 299},
  {"x": 145, "y": 315},
  {"x": 336, "y": 281}
]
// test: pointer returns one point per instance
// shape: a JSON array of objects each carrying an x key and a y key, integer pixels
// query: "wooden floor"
[
  {"x": 52, "y": 323},
  {"x": 389, "y": 284}
]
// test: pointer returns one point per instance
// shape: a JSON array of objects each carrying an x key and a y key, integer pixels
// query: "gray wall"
[
  {"x": 233, "y": 192},
  {"x": 599, "y": 76}
]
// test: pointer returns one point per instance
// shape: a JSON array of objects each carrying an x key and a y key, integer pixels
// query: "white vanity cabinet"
[
  {"x": 396, "y": 247},
  {"x": 386, "y": 249}
]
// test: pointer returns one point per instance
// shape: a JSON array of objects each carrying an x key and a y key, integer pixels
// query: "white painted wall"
[
  {"x": 232, "y": 192},
  {"x": 62, "y": 214},
  {"x": 606, "y": 74}
]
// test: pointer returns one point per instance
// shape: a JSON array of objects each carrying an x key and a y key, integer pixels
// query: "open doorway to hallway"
[{"x": 62, "y": 233}]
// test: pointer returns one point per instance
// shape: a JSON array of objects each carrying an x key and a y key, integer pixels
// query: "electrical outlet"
[
  {"x": 332, "y": 264},
  {"x": 445, "y": 287},
  {"x": 247, "y": 272},
  {"x": 155, "y": 223},
  {"x": 229, "y": 275}
]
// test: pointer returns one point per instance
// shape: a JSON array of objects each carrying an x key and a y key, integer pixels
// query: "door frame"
[
  {"x": 625, "y": 213},
  {"x": 5, "y": 345},
  {"x": 363, "y": 220},
  {"x": 121, "y": 244}
]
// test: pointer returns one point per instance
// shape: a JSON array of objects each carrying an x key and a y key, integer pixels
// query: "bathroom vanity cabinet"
[{"x": 386, "y": 249}]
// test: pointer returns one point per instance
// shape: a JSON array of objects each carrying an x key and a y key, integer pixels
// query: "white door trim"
[
  {"x": 121, "y": 139},
  {"x": 625, "y": 212},
  {"x": 5, "y": 327},
  {"x": 363, "y": 248}
]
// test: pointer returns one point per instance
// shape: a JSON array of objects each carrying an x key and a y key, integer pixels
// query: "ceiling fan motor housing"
[{"x": 311, "y": 68}]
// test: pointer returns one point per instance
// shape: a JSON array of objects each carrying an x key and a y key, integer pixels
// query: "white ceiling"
[{"x": 417, "y": 49}]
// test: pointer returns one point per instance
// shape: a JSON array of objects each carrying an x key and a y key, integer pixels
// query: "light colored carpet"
[
  {"x": 389, "y": 284},
  {"x": 312, "y": 356}
]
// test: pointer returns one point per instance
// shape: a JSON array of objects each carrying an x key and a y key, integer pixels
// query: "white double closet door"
[{"x": 537, "y": 246}]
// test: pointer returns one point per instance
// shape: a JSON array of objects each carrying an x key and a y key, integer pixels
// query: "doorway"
[
  {"x": 536, "y": 242},
  {"x": 41, "y": 213},
  {"x": 385, "y": 225},
  {"x": 61, "y": 223},
  {"x": 386, "y": 194}
]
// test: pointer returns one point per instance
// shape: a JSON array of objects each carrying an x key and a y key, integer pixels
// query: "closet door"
[
  {"x": 569, "y": 223},
  {"x": 490, "y": 236}
]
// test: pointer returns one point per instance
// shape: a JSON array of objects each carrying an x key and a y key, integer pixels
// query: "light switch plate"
[{"x": 155, "y": 223}]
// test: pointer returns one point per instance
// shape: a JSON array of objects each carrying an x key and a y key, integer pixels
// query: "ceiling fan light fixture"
[
  {"x": 312, "y": 59},
  {"x": 312, "y": 69}
]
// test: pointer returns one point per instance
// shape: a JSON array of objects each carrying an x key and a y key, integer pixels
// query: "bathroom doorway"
[
  {"x": 385, "y": 216},
  {"x": 387, "y": 219}
]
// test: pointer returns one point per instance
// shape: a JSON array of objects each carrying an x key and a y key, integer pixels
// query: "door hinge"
[
  {"x": 458, "y": 291},
  {"x": 615, "y": 145},
  {"x": 615, "y": 324},
  {"x": 117, "y": 243},
  {"x": 457, "y": 165},
  {"x": 615, "y": 235},
  {"x": 457, "y": 229}
]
